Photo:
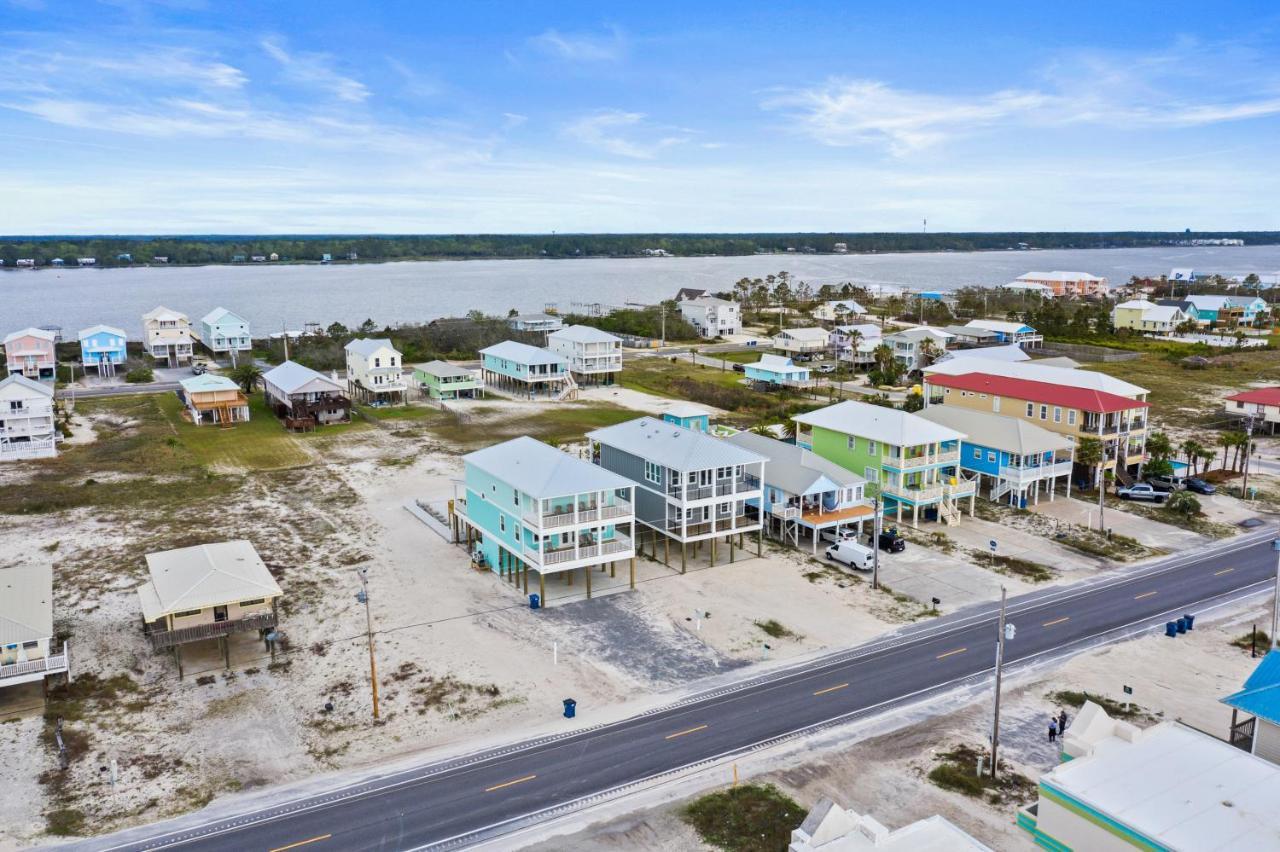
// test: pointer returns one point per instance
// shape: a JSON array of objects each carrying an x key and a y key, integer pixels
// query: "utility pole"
[
  {"x": 995, "y": 722},
  {"x": 1102, "y": 492},
  {"x": 875, "y": 543},
  {"x": 1248, "y": 441},
  {"x": 363, "y": 597},
  {"x": 664, "y": 326},
  {"x": 284, "y": 334}
]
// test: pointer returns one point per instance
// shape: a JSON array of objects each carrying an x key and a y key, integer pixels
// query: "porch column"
[
  {"x": 915, "y": 515},
  {"x": 712, "y": 540},
  {"x": 730, "y": 550},
  {"x": 586, "y": 571},
  {"x": 525, "y": 572},
  {"x": 684, "y": 555},
  {"x": 633, "y": 572},
  {"x": 542, "y": 588},
  {"x": 613, "y": 564},
  {"x": 666, "y": 550}
]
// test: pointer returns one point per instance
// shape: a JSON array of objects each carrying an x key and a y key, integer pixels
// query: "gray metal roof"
[
  {"x": 673, "y": 446},
  {"x": 26, "y": 604},
  {"x": 1011, "y": 434},
  {"x": 444, "y": 368},
  {"x": 523, "y": 353},
  {"x": 540, "y": 470},
  {"x": 208, "y": 575},
  {"x": 30, "y": 384},
  {"x": 970, "y": 331},
  {"x": 583, "y": 334},
  {"x": 291, "y": 376},
  {"x": 687, "y": 409},
  {"x": 793, "y": 469},
  {"x": 885, "y": 425}
]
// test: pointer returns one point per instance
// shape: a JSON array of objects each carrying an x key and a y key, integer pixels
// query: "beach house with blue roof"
[
  {"x": 1260, "y": 698},
  {"x": 776, "y": 370},
  {"x": 528, "y": 371},
  {"x": 530, "y": 507},
  {"x": 102, "y": 348}
]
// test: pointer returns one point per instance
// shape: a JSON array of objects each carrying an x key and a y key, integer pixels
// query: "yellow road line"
[
  {"x": 1056, "y": 621},
  {"x": 1223, "y": 571},
  {"x": 686, "y": 732},
  {"x": 949, "y": 653},
  {"x": 1143, "y": 595},
  {"x": 509, "y": 783},
  {"x": 302, "y": 843},
  {"x": 830, "y": 689}
]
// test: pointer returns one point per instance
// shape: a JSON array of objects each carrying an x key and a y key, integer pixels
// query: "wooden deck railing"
[{"x": 161, "y": 639}]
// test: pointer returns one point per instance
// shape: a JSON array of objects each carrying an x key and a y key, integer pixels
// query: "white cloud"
[
  {"x": 512, "y": 120},
  {"x": 623, "y": 133},
  {"x": 582, "y": 47},
  {"x": 316, "y": 70}
]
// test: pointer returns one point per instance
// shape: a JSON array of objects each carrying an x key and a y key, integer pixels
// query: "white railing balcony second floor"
[
  {"x": 566, "y": 516},
  {"x": 961, "y": 488},
  {"x": 914, "y": 493},
  {"x": 618, "y": 546},
  {"x": 910, "y": 462},
  {"x": 52, "y": 664},
  {"x": 18, "y": 449},
  {"x": 787, "y": 513}
]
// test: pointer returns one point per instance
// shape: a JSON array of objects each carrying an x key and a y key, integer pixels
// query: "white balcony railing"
[
  {"x": 903, "y": 463},
  {"x": 52, "y": 664},
  {"x": 619, "y": 546},
  {"x": 916, "y": 494},
  {"x": 567, "y": 517}
]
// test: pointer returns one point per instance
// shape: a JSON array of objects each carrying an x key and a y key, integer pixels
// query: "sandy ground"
[{"x": 880, "y": 770}]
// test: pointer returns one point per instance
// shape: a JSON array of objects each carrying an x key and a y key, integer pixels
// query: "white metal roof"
[
  {"x": 812, "y": 333},
  {"x": 40, "y": 333},
  {"x": 776, "y": 364},
  {"x": 540, "y": 470},
  {"x": 1032, "y": 371},
  {"x": 1163, "y": 313},
  {"x": 26, "y": 604},
  {"x": 1002, "y": 326},
  {"x": 366, "y": 346},
  {"x": 884, "y": 425},
  {"x": 686, "y": 409},
  {"x": 1178, "y": 787},
  {"x": 218, "y": 314},
  {"x": 921, "y": 333},
  {"x": 291, "y": 376},
  {"x": 163, "y": 313},
  {"x": 794, "y": 469},
  {"x": 100, "y": 329},
  {"x": 1136, "y": 305},
  {"x": 866, "y": 329},
  {"x": 672, "y": 446},
  {"x": 1009, "y": 352},
  {"x": 444, "y": 368},
  {"x": 583, "y": 334},
  {"x": 1058, "y": 275},
  {"x": 522, "y": 353},
  {"x": 207, "y": 383},
  {"x": 1011, "y": 434},
  {"x": 830, "y": 828},
  {"x": 18, "y": 380},
  {"x": 208, "y": 575}
]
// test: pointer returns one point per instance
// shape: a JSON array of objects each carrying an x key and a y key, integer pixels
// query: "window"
[
  {"x": 872, "y": 475},
  {"x": 1031, "y": 410},
  {"x": 871, "y": 448},
  {"x": 32, "y": 644},
  {"x": 851, "y": 442},
  {"x": 1044, "y": 412},
  {"x": 1071, "y": 417},
  {"x": 653, "y": 473},
  {"x": 253, "y": 602},
  {"x": 377, "y": 362},
  {"x": 977, "y": 454},
  {"x": 991, "y": 455},
  {"x": 947, "y": 392},
  {"x": 187, "y": 613},
  {"x": 502, "y": 523},
  {"x": 515, "y": 496},
  {"x": 1057, "y": 414}
]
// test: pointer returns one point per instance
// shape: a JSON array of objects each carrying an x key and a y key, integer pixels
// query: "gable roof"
[
  {"x": 540, "y": 470},
  {"x": 1008, "y": 353},
  {"x": 1137, "y": 305},
  {"x": 207, "y": 575},
  {"x": 794, "y": 469},
  {"x": 915, "y": 335},
  {"x": 1002, "y": 326},
  {"x": 1260, "y": 396},
  {"x": 219, "y": 314},
  {"x": 686, "y": 293},
  {"x": 444, "y": 368},
  {"x": 1010, "y": 434},
  {"x": 672, "y": 446},
  {"x": 1035, "y": 371},
  {"x": 290, "y": 376},
  {"x": 39, "y": 333},
  {"x": 522, "y": 353},
  {"x": 26, "y": 604},
  {"x": 583, "y": 334},
  {"x": 883, "y": 425},
  {"x": 970, "y": 331},
  {"x": 777, "y": 364},
  {"x": 811, "y": 333},
  {"x": 161, "y": 312},
  {"x": 684, "y": 410},
  {"x": 99, "y": 329},
  {"x": 1163, "y": 313},
  {"x": 366, "y": 346},
  {"x": 866, "y": 329},
  {"x": 1260, "y": 695},
  {"x": 1085, "y": 399},
  {"x": 207, "y": 383},
  {"x": 21, "y": 381}
]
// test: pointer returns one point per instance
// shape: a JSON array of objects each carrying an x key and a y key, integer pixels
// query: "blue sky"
[{"x": 183, "y": 116}]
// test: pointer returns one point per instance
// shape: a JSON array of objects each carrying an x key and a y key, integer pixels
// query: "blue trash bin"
[
  {"x": 570, "y": 708},
  {"x": 535, "y": 602},
  {"x": 1191, "y": 620},
  {"x": 1171, "y": 629},
  {"x": 1182, "y": 625}
]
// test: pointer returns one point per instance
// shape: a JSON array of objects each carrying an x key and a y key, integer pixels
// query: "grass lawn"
[
  {"x": 557, "y": 423},
  {"x": 747, "y": 818},
  {"x": 750, "y": 356},
  {"x": 396, "y": 412},
  {"x": 261, "y": 444},
  {"x": 722, "y": 389}
]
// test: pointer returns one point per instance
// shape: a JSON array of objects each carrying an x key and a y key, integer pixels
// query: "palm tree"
[
  {"x": 1089, "y": 454},
  {"x": 929, "y": 351},
  {"x": 886, "y": 363},
  {"x": 1193, "y": 450},
  {"x": 1235, "y": 440},
  {"x": 247, "y": 376},
  {"x": 762, "y": 428}
]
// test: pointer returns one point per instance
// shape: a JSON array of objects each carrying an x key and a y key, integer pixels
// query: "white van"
[{"x": 852, "y": 554}]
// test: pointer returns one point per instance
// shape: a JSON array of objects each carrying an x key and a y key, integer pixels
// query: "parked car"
[
  {"x": 826, "y": 368},
  {"x": 1170, "y": 482},
  {"x": 852, "y": 554},
  {"x": 890, "y": 541},
  {"x": 1142, "y": 491},
  {"x": 739, "y": 368},
  {"x": 1199, "y": 486},
  {"x": 199, "y": 369},
  {"x": 830, "y": 534}
]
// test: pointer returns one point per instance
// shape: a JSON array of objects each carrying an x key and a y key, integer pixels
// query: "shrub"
[
  {"x": 140, "y": 375},
  {"x": 745, "y": 819}
]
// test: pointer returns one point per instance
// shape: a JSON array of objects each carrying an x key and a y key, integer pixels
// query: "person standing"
[
  {"x": 1053, "y": 729},
  {"x": 1062, "y": 722}
]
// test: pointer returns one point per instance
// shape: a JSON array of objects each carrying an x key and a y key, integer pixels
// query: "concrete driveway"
[
  {"x": 924, "y": 573},
  {"x": 1148, "y": 532}
]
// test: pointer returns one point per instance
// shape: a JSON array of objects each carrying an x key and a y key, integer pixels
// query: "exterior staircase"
[
  {"x": 570, "y": 389},
  {"x": 948, "y": 512}
]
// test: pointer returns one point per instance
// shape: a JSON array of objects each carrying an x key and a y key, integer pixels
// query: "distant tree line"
[
  {"x": 201, "y": 249},
  {"x": 642, "y": 322}
]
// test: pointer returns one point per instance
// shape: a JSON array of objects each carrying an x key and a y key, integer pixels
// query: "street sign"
[
  {"x": 1010, "y": 631},
  {"x": 993, "y": 544},
  {"x": 1128, "y": 690}
]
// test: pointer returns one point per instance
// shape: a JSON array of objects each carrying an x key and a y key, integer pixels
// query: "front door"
[{"x": 219, "y": 613}]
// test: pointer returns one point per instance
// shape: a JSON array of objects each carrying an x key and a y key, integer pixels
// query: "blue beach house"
[
  {"x": 689, "y": 416},
  {"x": 530, "y": 507},
  {"x": 1260, "y": 698},
  {"x": 102, "y": 347},
  {"x": 776, "y": 370},
  {"x": 223, "y": 331},
  {"x": 527, "y": 370},
  {"x": 1015, "y": 459}
]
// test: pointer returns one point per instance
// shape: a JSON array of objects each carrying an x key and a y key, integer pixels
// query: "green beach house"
[
  {"x": 914, "y": 463},
  {"x": 442, "y": 380}
]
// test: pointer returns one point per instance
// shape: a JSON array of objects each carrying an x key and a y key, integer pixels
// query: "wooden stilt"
[
  {"x": 525, "y": 572},
  {"x": 586, "y": 572},
  {"x": 730, "y": 550},
  {"x": 226, "y": 652},
  {"x": 568, "y": 578},
  {"x": 760, "y": 543},
  {"x": 713, "y": 551},
  {"x": 666, "y": 550},
  {"x": 613, "y": 567},
  {"x": 684, "y": 555},
  {"x": 177, "y": 657},
  {"x": 633, "y": 572},
  {"x": 542, "y": 588}
]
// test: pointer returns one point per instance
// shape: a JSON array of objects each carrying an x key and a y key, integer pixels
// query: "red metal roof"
[
  {"x": 1262, "y": 396},
  {"x": 1085, "y": 399}
]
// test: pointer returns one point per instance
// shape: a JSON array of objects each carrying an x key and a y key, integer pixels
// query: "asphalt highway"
[{"x": 453, "y": 803}]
